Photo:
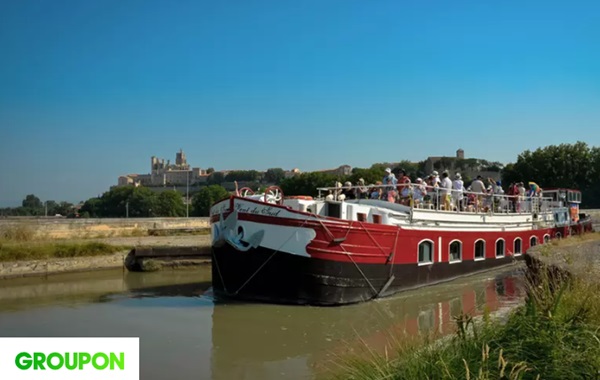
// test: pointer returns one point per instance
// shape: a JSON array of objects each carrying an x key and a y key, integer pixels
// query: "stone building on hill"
[
  {"x": 468, "y": 167},
  {"x": 166, "y": 174}
]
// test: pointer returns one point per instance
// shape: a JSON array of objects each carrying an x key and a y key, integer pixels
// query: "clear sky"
[{"x": 89, "y": 90}]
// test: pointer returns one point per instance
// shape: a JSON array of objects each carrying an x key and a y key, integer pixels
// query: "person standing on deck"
[
  {"x": 389, "y": 192},
  {"x": 446, "y": 191},
  {"x": 478, "y": 187},
  {"x": 457, "y": 192}
]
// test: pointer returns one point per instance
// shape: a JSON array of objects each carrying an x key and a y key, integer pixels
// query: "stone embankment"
[
  {"x": 56, "y": 266},
  {"x": 110, "y": 231},
  {"x": 578, "y": 256},
  {"x": 61, "y": 228}
]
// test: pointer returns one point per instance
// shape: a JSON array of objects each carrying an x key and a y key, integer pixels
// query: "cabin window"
[
  {"x": 426, "y": 252},
  {"x": 455, "y": 251},
  {"x": 500, "y": 248},
  {"x": 546, "y": 238},
  {"x": 533, "y": 241},
  {"x": 518, "y": 246},
  {"x": 479, "y": 250}
]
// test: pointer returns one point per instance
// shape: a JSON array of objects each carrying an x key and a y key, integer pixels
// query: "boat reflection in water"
[
  {"x": 186, "y": 334},
  {"x": 258, "y": 341}
]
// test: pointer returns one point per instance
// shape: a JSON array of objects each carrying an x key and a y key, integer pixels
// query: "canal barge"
[{"x": 333, "y": 250}]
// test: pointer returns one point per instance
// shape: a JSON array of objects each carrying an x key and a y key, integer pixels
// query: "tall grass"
[
  {"x": 554, "y": 335},
  {"x": 29, "y": 251},
  {"x": 16, "y": 233}
]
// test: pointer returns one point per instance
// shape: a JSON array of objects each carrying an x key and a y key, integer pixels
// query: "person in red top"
[
  {"x": 513, "y": 193},
  {"x": 404, "y": 187}
]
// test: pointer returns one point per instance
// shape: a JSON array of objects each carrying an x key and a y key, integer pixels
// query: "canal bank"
[
  {"x": 554, "y": 335},
  {"x": 168, "y": 249}
]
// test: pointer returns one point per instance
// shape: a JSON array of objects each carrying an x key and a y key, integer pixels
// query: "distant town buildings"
[
  {"x": 341, "y": 171},
  {"x": 181, "y": 174},
  {"x": 468, "y": 167},
  {"x": 166, "y": 174}
]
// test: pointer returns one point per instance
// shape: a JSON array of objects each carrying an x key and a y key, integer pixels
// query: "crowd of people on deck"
[{"x": 442, "y": 193}]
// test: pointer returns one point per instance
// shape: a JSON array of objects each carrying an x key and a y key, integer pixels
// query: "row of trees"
[
  {"x": 273, "y": 175},
  {"x": 33, "y": 206},
  {"x": 575, "y": 166},
  {"x": 142, "y": 202},
  {"x": 135, "y": 202}
]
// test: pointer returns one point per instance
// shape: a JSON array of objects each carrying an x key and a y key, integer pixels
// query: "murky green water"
[{"x": 185, "y": 334}]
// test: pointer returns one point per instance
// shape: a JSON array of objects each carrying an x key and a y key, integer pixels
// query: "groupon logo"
[
  {"x": 70, "y": 361},
  {"x": 70, "y": 358}
]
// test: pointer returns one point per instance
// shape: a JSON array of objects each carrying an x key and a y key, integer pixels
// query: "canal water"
[{"x": 186, "y": 334}]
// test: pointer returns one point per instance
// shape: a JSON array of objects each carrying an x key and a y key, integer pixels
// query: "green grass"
[
  {"x": 179, "y": 231},
  {"x": 554, "y": 335},
  {"x": 12, "y": 251}
]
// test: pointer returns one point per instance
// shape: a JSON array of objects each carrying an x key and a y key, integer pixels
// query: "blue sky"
[{"x": 89, "y": 90}]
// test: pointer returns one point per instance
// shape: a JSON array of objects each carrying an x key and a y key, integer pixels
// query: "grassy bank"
[
  {"x": 28, "y": 232},
  {"x": 18, "y": 244},
  {"x": 554, "y": 335},
  {"x": 20, "y": 251}
]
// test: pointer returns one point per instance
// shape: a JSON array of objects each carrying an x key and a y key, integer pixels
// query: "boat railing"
[{"x": 420, "y": 196}]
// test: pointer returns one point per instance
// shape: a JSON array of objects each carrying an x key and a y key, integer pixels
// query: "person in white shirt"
[
  {"x": 458, "y": 188},
  {"x": 446, "y": 190},
  {"x": 419, "y": 192},
  {"x": 478, "y": 187}
]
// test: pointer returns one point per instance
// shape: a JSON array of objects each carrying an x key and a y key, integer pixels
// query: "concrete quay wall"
[
  {"x": 59, "y": 228},
  {"x": 14, "y": 269}
]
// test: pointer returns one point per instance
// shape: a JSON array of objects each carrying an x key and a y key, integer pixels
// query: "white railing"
[{"x": 436, "y": 198}]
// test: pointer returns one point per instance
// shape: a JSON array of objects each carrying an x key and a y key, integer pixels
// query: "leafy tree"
[
  {"x": 92, "y": 207},
  {"x": 63, "y": 208},
  {"x": 243, "y": 175},
  {"x": 210, "y": 170},
  {"x": 206, "y": 197},
  {"x": 170, "y": 203},
  {"x": 307, "y": 183},
  {"x": 275, "y": 175},
  {"x": 412, "y": 169},
  {"x": 216, "y": 178},
  {"x": 566, "y": 165},
  {"x": 142, "y": 203},
  {"x": 371, "y": 176},
  {"x": 51, "y": 207},
  {"x": 33, "y": 205}
]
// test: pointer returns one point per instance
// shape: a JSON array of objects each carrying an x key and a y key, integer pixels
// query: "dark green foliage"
[
  {"x": 243, "y": 175},
  {"x": 274, "y": 175},
  {"x": 170, "y": 203},
  {"x": 216, "y": 178},
  {"x": 32, "y": 202},
  {"x": 206, "y": 197},
  {"x": 139, "y": 201},
  {"x": 575, "y": 166},
  {"x": 307, "y": 183}
]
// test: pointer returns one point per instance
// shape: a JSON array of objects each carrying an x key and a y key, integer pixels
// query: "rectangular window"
[
  {"x": 500, "y": 248},
  {"x": 455, "y": 251},
  {"x": 518, "y": 249},
  {"x": 480, "y": 250},
  {"x": 426, "y": 252}
]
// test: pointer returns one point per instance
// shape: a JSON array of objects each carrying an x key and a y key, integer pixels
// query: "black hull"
[{"x": 260, "y": 275}]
